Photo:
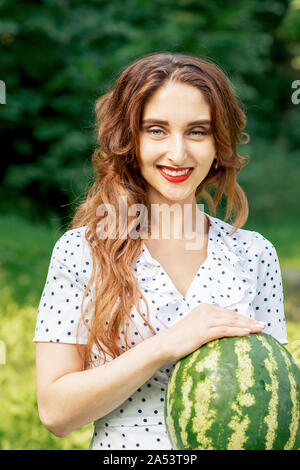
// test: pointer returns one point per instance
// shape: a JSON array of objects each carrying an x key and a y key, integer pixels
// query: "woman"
[{"x": 120, "y": 306}]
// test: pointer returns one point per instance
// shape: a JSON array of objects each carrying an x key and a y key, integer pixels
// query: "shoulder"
[
  {"x": 242, "y": 240},
  {"x": 59, "y": 309},
  {"x": 72, "y": 250},
  {"x": 71, "y": 242}
]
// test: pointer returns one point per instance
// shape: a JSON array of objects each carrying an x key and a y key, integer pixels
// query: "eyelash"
[{"x": 159, "y": 130}]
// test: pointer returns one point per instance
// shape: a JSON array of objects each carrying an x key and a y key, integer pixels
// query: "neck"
[{"x": 181, "y": 220}]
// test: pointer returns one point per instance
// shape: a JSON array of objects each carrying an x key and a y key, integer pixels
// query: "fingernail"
[
  {"x": 246, "y": 329},
  {"x": 261, "y": 324}
]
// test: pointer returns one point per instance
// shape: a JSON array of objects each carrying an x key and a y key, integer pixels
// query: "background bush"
[{"x": 57, "y": 57}]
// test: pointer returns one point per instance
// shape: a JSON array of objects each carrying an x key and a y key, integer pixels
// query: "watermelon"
[{"x": 235, "y": 393}]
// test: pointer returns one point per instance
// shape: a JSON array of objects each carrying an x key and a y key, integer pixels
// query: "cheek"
[
  {"x": 149, "y": 148},
  {"x": 206, "y": 153},
  {"x": 148, "y": 153}
]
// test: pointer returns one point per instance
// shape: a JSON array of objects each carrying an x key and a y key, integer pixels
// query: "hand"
[{"x": 203, "y": 324}]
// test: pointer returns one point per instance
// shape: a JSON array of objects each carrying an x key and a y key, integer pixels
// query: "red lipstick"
[
  {"x": 176, "y": 179},
  {"x": 174, "y": 169}
]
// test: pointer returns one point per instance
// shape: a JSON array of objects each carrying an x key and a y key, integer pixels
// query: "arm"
[{"x": 70, "y": 397}]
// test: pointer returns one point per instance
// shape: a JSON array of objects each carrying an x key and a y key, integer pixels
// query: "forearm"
[{"x": 81, "y": 397}]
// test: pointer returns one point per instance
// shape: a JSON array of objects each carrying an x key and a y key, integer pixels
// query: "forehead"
[{"x": 177, "y": 100}]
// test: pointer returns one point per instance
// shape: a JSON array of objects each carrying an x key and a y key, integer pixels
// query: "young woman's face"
[{"x": 178, "y": 143}]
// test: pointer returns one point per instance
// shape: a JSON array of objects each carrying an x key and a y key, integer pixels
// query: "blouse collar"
[
  {"x": 219, "y": 241},
  {"x": 226, "y": 256}
]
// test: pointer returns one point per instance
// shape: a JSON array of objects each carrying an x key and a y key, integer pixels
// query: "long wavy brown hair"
[{"x": 115, "y": 162}]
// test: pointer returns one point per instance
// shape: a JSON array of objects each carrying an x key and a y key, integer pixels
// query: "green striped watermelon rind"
[{"x": 259, "y": 409}]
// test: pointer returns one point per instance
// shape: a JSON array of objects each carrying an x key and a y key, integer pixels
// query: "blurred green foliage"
[
  {"x": 57, "y": 57},
  {"x": 25, "y": 251},
  {"x": 20, "y": 426}
]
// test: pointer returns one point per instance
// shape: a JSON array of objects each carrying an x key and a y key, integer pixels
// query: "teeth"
[{"x": 175, "y": 173}]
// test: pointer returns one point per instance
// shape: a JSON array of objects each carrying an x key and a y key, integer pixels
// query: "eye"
[
  {"x": 154, "y": 130},
  {"x": 201, "y": 132}
]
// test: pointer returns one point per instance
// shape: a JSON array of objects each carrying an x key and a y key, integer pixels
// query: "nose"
[{"x": 177, "y": 152}]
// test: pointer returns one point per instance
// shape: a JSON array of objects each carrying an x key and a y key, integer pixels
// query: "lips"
[
  {"x": 175, "y": 179},
  {"x": 175, "y": 169}
]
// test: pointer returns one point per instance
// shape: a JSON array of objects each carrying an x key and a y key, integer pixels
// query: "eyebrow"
[{"x": 159, "y": 121}]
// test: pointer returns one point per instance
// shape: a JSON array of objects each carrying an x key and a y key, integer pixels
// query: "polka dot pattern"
[
  {"x": 60, "y": 305},
  {"x": 241, "y": 272}
]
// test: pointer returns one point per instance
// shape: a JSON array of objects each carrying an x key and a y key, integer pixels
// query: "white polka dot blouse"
[{"x": 240, "y": 272}]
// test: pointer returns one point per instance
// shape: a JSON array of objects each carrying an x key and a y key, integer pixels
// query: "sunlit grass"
[
  {"x": 20, "y": 426},
  {"x": 293, "y": 330}
]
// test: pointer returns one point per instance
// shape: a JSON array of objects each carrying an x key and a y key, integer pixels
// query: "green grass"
[
  {"x": 293, "y": 330},
  {"x": 20, "y": 426},
  {"x": 25, "y": 253}
]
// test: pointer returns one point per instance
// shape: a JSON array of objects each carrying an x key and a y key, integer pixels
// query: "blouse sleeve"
[
  {"x": 59, "y": 309},
  {"x": 268, "y": 303}
]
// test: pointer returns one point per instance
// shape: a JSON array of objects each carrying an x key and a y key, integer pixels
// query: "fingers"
[
  {"x": 222, "y": 331},
  {"x": 219, "y": 322},
  {"x": 231, "y": 319},
  {"x": 254, "y": 326},
  {"x": 238, "y": 320}
]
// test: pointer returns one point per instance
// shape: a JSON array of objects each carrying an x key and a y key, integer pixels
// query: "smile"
[{"x": 175, "y": 176}]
